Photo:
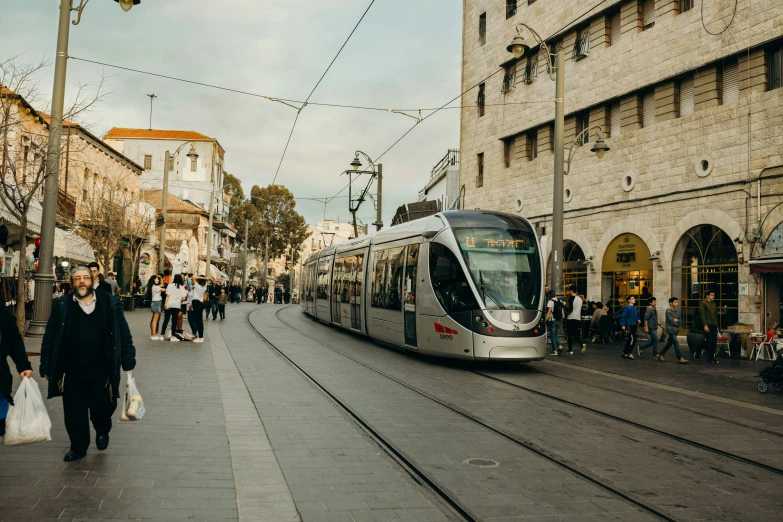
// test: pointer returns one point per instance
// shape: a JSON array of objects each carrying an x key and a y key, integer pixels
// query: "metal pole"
[
  {"x": 557, "y": 196},
  {"x": 209, "y": 233},
  {"x": 164, "y": 207},
  {"x": 244, "y": 259},
  {"x": 44, "y": 279},
  {"x": 266, "y": 268},
  {"x": 291, "y": 274},
  {"x": 152, "y": 97},
  {"x": 379, "y": 211}
]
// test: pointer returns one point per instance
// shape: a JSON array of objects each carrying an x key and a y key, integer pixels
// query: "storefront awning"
[
  {"x": 214, "y": 272},
  {"x": 71, "y": 246},
  {"x": 767, "y": 264}
]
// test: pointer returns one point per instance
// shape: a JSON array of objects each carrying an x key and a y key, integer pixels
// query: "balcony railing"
[{"x": 66, "y": 208}]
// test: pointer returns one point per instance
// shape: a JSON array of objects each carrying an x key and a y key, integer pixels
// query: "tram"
[{"x": 457, "y": 284}]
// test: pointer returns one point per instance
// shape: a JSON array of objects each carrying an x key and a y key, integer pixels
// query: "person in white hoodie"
[{"x": 196, "y": 308}]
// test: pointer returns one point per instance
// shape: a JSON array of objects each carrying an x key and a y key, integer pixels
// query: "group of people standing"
[{"x": 568, "y": 313}]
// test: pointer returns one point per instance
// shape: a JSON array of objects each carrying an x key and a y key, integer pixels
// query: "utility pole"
[
  {"x": 164, "y": 206},
  {"x": 152, "y": 97},
  {"x": 244, "y": 259},
  {"x": 266, "y": 268},
  {"x": 209, "y": 232},
  {"x": 559, "y": 177},
  {"x": 379, "y": 201},
  {"x": 44, "y": 279}
]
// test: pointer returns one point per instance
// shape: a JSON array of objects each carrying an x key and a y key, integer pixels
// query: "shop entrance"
[{"x": 626, "y": 270}]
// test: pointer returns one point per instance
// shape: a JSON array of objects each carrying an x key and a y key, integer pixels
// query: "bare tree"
[
  {"x": 139, "y": 228},
  {"x": 24, "y": 136}
]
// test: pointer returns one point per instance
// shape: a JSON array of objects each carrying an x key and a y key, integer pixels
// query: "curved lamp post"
[
  {"x": 519, "y": 48},
  {"x": 44, "y": 279},
  {"x": 164, "y": 203},
  {"x": 376, "y": 171},
  {"x": 599, "y": 147}
]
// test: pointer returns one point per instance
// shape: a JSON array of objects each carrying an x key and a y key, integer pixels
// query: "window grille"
[
  {"x": 511, "y": 8},
  {"x": 147, "y": 162},
  {"x": 582, "y": 44},
  {"x": 686, "y": 96},
  {"x": 554, "y": 48},
  {"x": 649, "y": 14},
  {"x": 480, "y": 100},
  {"x": 775, "y": 64},
  {"x": 615, "y": 120},
  {"x": 582, "y": 124},
  {"x": 480, "y": 176},
  {"x": 530, "y": 71},
  {"x": 731, "y": 82},
  {"x": 648, "y": 109},
  {"x": 614, "y": 29},
  {"x": 686, "y": 5},
  {"x": 483, "y": 28},
  {"x": 509, "y": 79}
]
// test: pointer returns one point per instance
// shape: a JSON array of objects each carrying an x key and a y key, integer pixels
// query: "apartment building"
[{"x": 688, "y": 97}]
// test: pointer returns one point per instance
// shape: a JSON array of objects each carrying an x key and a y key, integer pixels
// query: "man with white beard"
[{"x": 86, "y": 341}]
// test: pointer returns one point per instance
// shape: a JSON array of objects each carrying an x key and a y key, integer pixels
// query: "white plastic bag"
[
  {"x": 133, "y": 404},
  {"x": 28, "y": 421}
]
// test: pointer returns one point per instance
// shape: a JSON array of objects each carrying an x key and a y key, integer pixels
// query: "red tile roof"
[
  {"x": 175, "y": 204},
  {"x": 154, "y": 134}
]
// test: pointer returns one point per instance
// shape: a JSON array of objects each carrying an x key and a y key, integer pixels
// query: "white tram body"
[{"x": 458, "y": 284}]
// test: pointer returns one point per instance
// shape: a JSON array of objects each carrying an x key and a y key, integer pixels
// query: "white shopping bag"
[
  {"x": 133, "y": 404},
  {"x": 28, "y": 420}
]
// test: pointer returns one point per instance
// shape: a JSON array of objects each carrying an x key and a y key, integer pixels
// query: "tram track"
[{"x": 419, "y": 474}]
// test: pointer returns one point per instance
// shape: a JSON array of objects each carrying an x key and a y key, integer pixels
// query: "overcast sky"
[{"x": 406, "y": 54}]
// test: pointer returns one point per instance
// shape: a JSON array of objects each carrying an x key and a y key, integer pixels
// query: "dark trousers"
[
  {"x": 198, "y": 319},
  {"x": 671, "y": 340},
  {"x": 214, "y": 308},
  {"x": 630, "y": 342},
  {"x": 171, "y": 315},
  {"x": 573, "y": 331},
  {"x": 222, "y": 309},
  {"x": 712, "y": 340},
  {"x": 85, "y": 401}
]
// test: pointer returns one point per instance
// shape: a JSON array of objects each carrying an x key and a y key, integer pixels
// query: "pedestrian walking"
[
  {"x": 196, "y": 297},
  {"x": 154, "y": 293},
  {"x": 222, "y": 301},
  {"x": 85, "y": 343},
  {"x": 11, "y": 344},
  {"x": 214, "y": 295},
  {"x": 651, "y": 328},
  {"x": 98, "y": 282},
  {"x": 574, "y": 321},
  {"x": 629, "y": 321},
  {"x": 554, "y": 318},
  {"x": 175, "y": 297},
  {"x": 672, "y": 327},
  {"x": 708, "y": 313}
]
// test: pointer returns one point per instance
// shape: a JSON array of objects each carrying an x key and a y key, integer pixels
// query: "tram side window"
[
  {"x": 358, "y": 278},
  {"x": 449, "y": 281},
  {"x": 387, "y": 279},
  {"x": 337, "y": 281},
  {"x": 323, "y": 280},
  {"x": 346, "y": 279}
]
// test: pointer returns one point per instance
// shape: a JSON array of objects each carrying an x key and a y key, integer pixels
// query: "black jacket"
[
  {"x": 119, "y": 347},
  {"x": 13, "y": 345},
  {"x": 106, "y": 287}
]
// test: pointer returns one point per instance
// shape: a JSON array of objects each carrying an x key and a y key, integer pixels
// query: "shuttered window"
[
  {"x": 615, "y": 121},
  {"x": 614, "y": 29},
  {"x": 648, "y": 109},
  {"x": 731, "y": 82},
  {"x": 649, "y": 14},
  {"x": 686, "y": 97}
]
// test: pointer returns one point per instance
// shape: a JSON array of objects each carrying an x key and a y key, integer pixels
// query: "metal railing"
[{"x": 450, "y": 159}]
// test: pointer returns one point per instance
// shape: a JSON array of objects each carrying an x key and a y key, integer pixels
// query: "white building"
[{"x": 443, "y": 185}]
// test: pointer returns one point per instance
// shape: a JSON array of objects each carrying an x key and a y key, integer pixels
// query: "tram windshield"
[{"x": 504, "y": 265}]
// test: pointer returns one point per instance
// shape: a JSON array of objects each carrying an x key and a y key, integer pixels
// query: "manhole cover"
[{"x": 482, "y": 463}]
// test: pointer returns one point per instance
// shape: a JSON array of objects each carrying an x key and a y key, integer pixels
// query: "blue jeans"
[
  {"x": 652, "y": 342},
  {"x": 553, "y": 327},
  {"x": 214, "y": 305},
  {"x": 671, "y": 340}
]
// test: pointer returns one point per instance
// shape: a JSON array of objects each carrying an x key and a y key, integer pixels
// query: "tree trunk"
[{"x": 21, "y": 283}]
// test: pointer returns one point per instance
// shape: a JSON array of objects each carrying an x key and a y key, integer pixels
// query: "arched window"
[
  {"x": 705, "y": 260},
  {"x": 574, "y": 269}
]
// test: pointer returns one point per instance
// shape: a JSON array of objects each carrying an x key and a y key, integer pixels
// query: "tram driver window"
[{"x": 449, "y": 281}]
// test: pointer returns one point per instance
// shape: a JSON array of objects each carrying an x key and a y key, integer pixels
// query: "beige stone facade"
[{"x": 692, "y": 119}]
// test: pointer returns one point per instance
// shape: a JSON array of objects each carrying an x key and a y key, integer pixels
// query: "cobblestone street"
[{"x": 234, "y": 430}]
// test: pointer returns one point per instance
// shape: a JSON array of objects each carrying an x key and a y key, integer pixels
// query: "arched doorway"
[
  {"x": 574, "y": 269},
  {"x": 769, "y": 267},
  {"x": 626, "y": 270},
  {"x": 705, "y": 259}
]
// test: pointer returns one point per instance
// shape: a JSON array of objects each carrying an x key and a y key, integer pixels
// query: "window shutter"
[
  {"x": 649, "y": 13},
  {"x": 614, "y": 29},
  {"x": 686, "y": 97},
  {"x": 731, "y": 82},
  {"x": 615, "y": 122},
  {"x": 648, "y": 109}
]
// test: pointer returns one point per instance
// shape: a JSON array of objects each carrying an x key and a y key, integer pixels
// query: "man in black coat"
[
  {"x": 11, "y": 343},
  {"x": 97, "y": 284},
  {"x": 86, "y": 342}
]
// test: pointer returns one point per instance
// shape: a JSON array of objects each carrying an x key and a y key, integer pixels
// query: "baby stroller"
[{"x": 772, "y": 374}]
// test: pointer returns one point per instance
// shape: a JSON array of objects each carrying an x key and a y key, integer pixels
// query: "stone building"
[{"x": 691, "y": 104}]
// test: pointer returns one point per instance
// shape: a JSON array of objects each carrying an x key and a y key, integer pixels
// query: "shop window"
[
  {"x": 626, "y": 271},
  {"x": 449, "y": 281},
  {"x": 705, "y": 260}
]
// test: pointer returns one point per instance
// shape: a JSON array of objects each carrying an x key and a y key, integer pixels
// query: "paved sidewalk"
[{"x": 173, "y": 464}]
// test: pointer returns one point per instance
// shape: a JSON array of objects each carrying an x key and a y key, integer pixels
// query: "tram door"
[
  {"x": 356, "y": 292},
  {"x": 409, "y": 290}
]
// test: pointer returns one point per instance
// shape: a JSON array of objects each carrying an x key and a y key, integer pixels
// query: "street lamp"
[
  {"x": 377, "y": 170},
  {"x": 599, "y": 147},
  {"x": 164, "y": 202},
  {"x": 44, "y": 279}
]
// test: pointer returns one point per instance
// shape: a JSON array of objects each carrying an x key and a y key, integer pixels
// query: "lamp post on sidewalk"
[
  {"x": 164, "y": 200},
  {"x": 519, "y": 48},
  {"x": 44, "y": 279},
  {"x": 376, "y": 171}
]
